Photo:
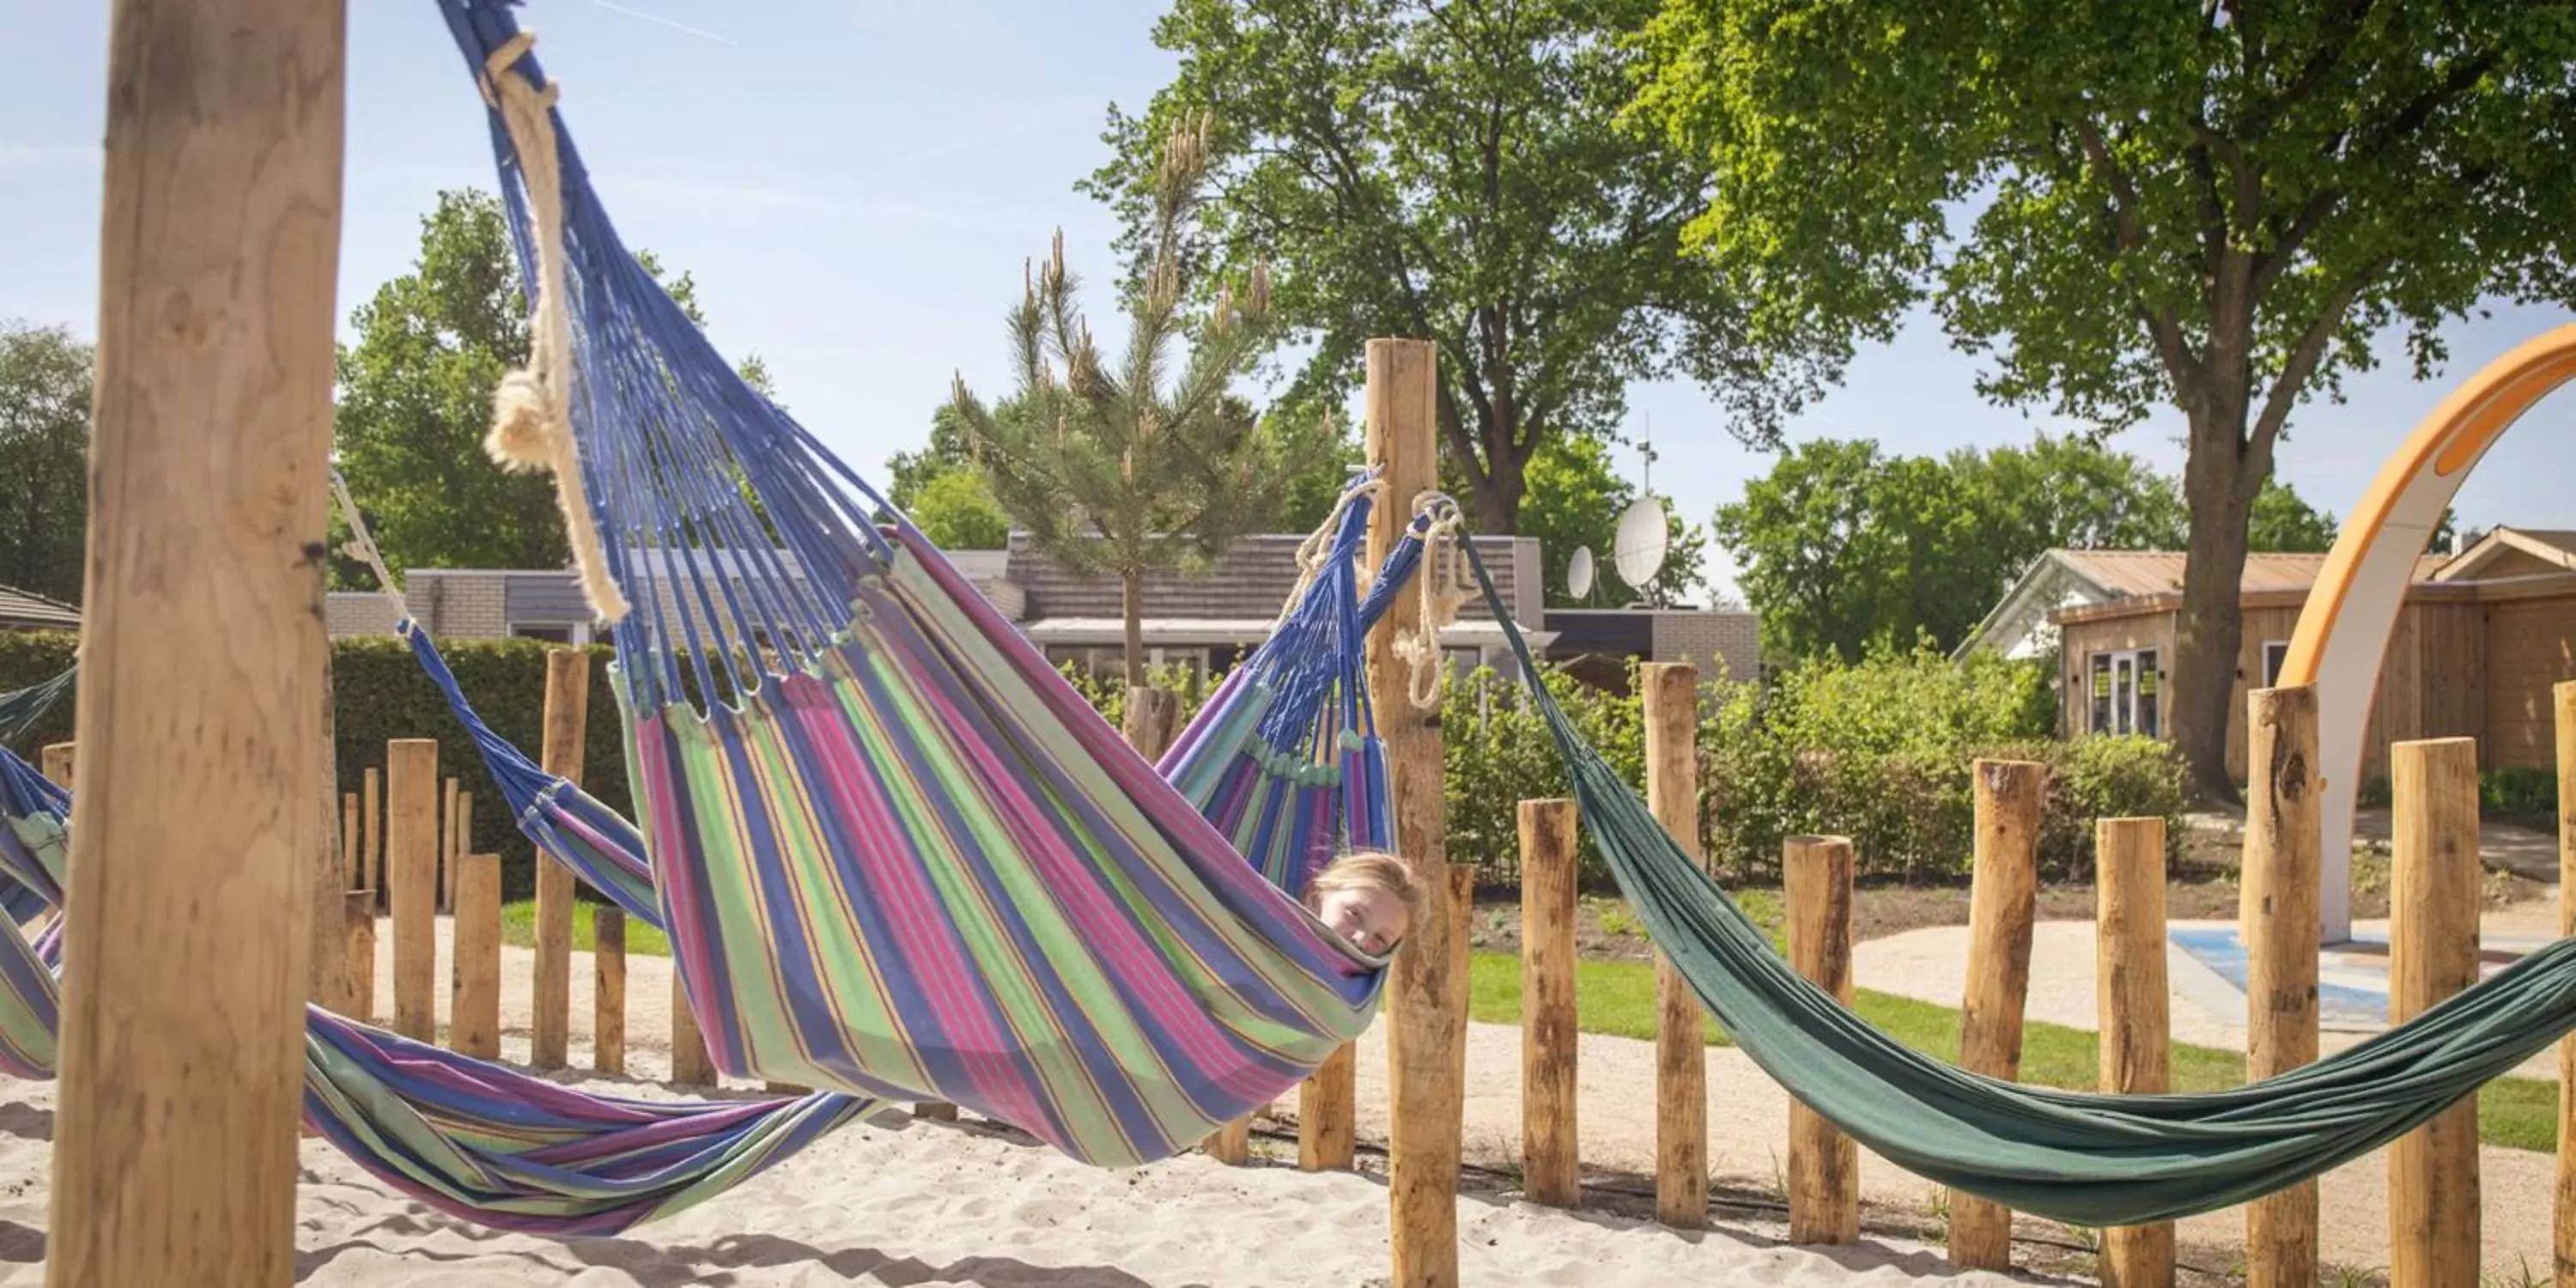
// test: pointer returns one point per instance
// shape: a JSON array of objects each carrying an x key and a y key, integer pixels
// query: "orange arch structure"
[{"x": 2342, "y": 635}]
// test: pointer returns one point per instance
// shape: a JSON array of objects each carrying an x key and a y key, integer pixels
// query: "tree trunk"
[
  {"x": 2209, "y": 629},
  {"x": 1131, "y": 605},
  {"x": 1497, "y": 500}
]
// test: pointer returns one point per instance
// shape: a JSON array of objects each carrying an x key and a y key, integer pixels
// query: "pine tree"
[{"x": 1106, "y": 470}]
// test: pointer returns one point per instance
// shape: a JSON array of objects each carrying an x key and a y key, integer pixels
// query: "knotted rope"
[
  {"x": 531, "y": 410},
  {"x": 1441, "y": 583}
]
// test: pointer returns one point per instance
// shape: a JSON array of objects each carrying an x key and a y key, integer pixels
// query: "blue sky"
[{"x": 855, "y": 184}]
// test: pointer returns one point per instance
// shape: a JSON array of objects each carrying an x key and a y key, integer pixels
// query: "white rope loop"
[
  {"x": 1439, "y": 581},
  {"x": 531, "y": 410}
]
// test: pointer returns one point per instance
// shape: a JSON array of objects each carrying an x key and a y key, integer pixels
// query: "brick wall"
[{"x": 1727, "y": 644}]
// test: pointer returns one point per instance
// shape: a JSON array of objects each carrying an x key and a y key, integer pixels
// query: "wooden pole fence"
[
  {"x": 2432, "y": 954},
  {"x": 1824, "y": 1164},
  {"x": 204, "y": 802},
  {"x": 1670, "y": 693},
  {"x": 2000, "y": 913},
  {"x": 358, "y": 930},
  {"x": 2131, "y": 992},
  {"x": 567, "y": 719},
  {"x": 451, "y": 846},
  {"x": 474, "y": 1009},
  {"x": 371, "y": 842},
  {"x": 411, "y": 854},
  {"x": 1551, "y": 1163},
  {"x": 2284, "y": 839}
]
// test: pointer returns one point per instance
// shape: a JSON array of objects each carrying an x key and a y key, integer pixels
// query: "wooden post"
[
  {"x": 938, "y": 1110},
  {"x": 56, "y": 760},
  {"x": 1328, "y": 1113},
  {"x": 2566, "y": 1218},
  {"x": 451, "y": 848},
  {"x": 353, "y": 859},
  {"x": 567, "y": 719},
  {"x": 2284, "y": 830},
  {"x": 2433, "y": 953},
  {"x": 608, "y": 991},
  {"x": 371, "y": 842},
  {"x": 691, "y": 1065},
  {"x": 1551, "y": 1170},
  {"x": 1670, "y": 692},
  {"x": 1824, "y": 1164},
  {"x": 358, "y": 928},
  {"x": 1462, "y": 921},
  {"x": 202, "y": 799},
  {"x": 2000, "y": 907},
  {"x": 1426, "y": 1052},
  {"x": 328, "y": 986},
  {"x": 2132, "y": 1001},
  {"x": 411, "y": 856},
  {"x": 474, "y": 1008}
]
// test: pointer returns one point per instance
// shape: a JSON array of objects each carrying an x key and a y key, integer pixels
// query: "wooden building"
[{"x": 2482, "y": 637}]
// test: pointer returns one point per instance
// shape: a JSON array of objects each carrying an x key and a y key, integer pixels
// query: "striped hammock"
[
  {"x": 897, "y": 855},
  {"x": 489, "y": 1143}
]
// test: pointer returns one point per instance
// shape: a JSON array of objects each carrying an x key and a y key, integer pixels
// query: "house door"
[{"x": 2125, "y": 692}]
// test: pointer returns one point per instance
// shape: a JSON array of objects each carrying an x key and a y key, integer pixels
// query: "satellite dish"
[
  {"x": 1637, "y": 551},
  {"x": 1578, "y": 573}
]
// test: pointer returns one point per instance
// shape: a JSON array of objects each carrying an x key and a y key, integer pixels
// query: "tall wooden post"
[
  {"x": 1824, "y": 1164},
  {"x": 201, "y": 792},
  {"x": 371, "y": 835},
  {"x": 353, "y": 860},
  {"x": 451, "y": 847},
  {"x": 1426, "y": 1051},
  {"x": 474, "y": 1005},
  {"x": 567, "y": 720},
  {"x": 2433, "y": 953},
  {"x": 691, "y": 1064},
  {"x": 2130, "y": 987},
  {"x": 2566, "y": 1218},
  {"x": 608, "y": 988},
  {"x": 2284, "y": 830},
  {"x": 1670, "y": 692},
  {"x": 1328, "y": 1113},
  {"x": 1551, "y": 1167},
  {"x": 358, "y": 927},
  {"x": 327, "y": 937},
  {"x": 411, "y": 861},
  {"x": 2001, "y": 904}
]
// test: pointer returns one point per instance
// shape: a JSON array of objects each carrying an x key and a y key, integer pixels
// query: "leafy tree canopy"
[
  {"x": 45, "y": 378},
  {"x": 1455, "y": 173}
]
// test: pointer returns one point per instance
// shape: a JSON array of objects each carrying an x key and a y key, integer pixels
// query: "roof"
[
  {"x": 2542, "y": 546},
  {"x": 26, "y": 610},
  {"x": 2069, "y": 580}
]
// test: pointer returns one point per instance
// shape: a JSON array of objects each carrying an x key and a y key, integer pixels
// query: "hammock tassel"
[{"x": 531, "y": 410}]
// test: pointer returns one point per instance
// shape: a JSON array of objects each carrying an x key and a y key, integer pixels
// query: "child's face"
[{"x": 1373, "y": 920}]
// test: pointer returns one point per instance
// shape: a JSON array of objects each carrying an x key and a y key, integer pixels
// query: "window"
[
  {"x": 555, "y": 634},
  {"x": 2124, "y": 692},
  {"x": 2275, "y": 652}
]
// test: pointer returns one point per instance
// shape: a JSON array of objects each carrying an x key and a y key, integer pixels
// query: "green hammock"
[{"x": 2086, "y": 1159}]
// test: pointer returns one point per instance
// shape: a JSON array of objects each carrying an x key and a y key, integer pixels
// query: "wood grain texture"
[
  {"x": 691, "y": 1064},
  {"x": 2001, "y": 903},
  {"x": 203, "y": 795},
  {"x": 1670, "y": 693},
  {"x": 608, "y": 988},
  {"x": 1824, "y": 1164},
  {"x": 1426, "y": 1031},
  {"x": 2132, "y": 999},
  {"x": 474, "y": 1008},
  {"x": 1551, "y": 1160},
  {"x": 2280, "y": 925},
  {"x": 411, "y": 860},
  {"x": 2432, "y": 954},
  {"x": 567, "y": 718},
  {"x": 2564, "y": 704}
]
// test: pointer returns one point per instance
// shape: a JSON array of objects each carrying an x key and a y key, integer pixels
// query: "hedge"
[
  {"x": 1878, "y": 751},
  {"x": 380, "y": 694}
]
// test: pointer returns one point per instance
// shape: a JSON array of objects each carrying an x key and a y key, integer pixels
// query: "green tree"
[
  {"x": 1841, "y": 548},
  {"x": 416, "y": 401},
  {"x": 2210, "y": 205},
  {"x": 2282, "y": 520},
  {"x": 1575, "y": 499},
  {"x": 956, "y": 510},
  {"x": 1454, "y": 173},
  {"x": 1107, "y": 471},
  {"x": 45, "y": 379}
]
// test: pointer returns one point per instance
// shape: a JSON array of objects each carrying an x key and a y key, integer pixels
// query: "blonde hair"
[{"x": 1368, "y": 870}]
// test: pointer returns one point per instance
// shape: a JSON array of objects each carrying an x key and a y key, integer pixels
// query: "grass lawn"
[{"x": 1618, "y": 998}]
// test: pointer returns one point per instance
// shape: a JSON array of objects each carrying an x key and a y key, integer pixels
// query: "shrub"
[{"x": 2524, "y": 791}]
